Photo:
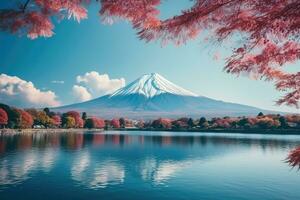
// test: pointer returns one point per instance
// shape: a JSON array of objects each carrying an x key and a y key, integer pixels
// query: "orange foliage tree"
[
  {"x": 26, "y": 119},
  {"x": 76, "y": 116}
]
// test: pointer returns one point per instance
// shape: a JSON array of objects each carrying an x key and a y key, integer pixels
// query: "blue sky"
[{"x": 76, "y": 49}]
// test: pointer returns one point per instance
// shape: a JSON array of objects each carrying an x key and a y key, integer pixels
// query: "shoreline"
[
  {"x": 75, "y": 130},
  {"x": 58, "y": 130},
  {"x": 241, "y": 131}
]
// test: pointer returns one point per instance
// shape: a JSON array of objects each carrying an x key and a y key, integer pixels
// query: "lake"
[{"x": 147, "y": 165}]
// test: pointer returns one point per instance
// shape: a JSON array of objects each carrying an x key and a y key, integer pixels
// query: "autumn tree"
[
  {"x": 266, "y": 32},
  {"x": 115, "y": 123},
  {"x": 94, "y": 122},
  {"x": 77, "y": 118},
  {"x": 178, "y": 124},
  {"x": 293, "y": 119},
  {"x": 3, "y": 118},
  {"x": 162, "y": 123},
  {"x": 56, "y": 121},
  {"x": 268, "y": 122},
  {"x": 69, "y": 122},
  {"x": 42, "y": 119},
  {"x": 14, "y": 117},
  {"x": 140, "y": 124},
  {"x": 26, "y": 119}
]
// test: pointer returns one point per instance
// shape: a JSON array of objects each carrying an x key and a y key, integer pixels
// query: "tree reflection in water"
[
  {"x": 77, "y": 141},
  {"x": 107, "y": 158}
]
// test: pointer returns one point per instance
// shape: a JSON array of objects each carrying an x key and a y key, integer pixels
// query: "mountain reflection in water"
[{"x": 98, "y": 160}]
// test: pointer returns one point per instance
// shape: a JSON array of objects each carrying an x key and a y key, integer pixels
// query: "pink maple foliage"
[
  {"x": 3, "y": 117},
  {"x": 56, "y": 119},
  {"x": 115, "y": 123},
  {"x": 294, "y": 158},
  {"x": 98, "y": 122}
]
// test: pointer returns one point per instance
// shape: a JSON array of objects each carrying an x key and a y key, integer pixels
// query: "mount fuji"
[{"x": 152, "y": 96}]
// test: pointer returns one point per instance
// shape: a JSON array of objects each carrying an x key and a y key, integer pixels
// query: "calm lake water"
[{"x": 147, "y": 165}]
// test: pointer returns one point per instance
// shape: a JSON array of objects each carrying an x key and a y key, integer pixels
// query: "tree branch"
[{"x": 25, "y": 5}]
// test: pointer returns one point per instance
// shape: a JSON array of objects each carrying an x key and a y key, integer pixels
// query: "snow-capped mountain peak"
[{"x": 151, "y": 85}]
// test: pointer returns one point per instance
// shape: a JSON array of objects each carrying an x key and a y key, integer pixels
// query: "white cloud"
[
  {"x": 18, "y": 92},
  {"x": 57, "y": 82},
  {"x": 100, "y": 84},
  {"x": 81, "y": 93}
]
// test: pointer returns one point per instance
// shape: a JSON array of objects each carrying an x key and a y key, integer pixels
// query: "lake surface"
[{"x": 147, "y": 165}]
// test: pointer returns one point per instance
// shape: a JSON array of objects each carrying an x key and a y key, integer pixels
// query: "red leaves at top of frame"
[
  {"x": 142, "y": 13},
  {"x": 34, "y": 18}
]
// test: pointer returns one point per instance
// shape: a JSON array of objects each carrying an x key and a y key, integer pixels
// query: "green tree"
[
  {"x": 202, "y": 121},
  {"x": 243, "y": 122},
  {"x": 260, "y": 114},
  {"x": 89, "y": 123},
  {"x": 84, "y": 116},
  {"x": 122, "y": 122},
  {"x": 283, "y": 122},
  {"x": 47, "y": 111},
  {"x": 190, "y": 123}
]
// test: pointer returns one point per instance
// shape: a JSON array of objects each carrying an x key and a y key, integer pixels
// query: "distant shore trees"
[
  {"x": 76, "y": 116},
  {"x": 115, "y": 123},
  {"x": 3, "y": 118},
  {"x": 15, "y": 118},
  {"x": 94, "y": 122},
  {"x": 25, "y": 121}
]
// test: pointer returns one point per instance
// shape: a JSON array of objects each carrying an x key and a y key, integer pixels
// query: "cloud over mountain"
[
  {"x": 99, "y": 84},
  {"x": 22, "y": 93},
  {"x": 81, "y": 93}
]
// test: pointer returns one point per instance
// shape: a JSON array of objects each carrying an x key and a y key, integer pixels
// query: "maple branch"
[{"x": 25, "y": 5}]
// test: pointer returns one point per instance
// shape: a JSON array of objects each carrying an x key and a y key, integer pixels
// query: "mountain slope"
[{"x": 152, "y": 96}]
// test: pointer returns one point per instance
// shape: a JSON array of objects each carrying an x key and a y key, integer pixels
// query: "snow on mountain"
[
  {"x": 151, "y": 85},
  {"x": 152, "y": 96}
]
